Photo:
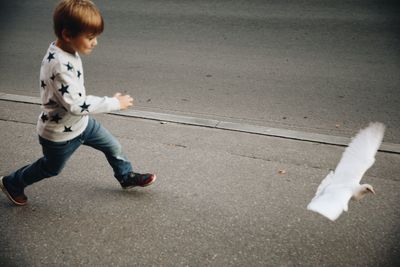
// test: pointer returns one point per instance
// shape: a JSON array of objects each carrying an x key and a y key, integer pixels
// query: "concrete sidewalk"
[{"x": 220, "y": 200}]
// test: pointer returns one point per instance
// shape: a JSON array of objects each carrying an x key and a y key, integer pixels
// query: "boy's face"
[{"x": 83, "y": 43}]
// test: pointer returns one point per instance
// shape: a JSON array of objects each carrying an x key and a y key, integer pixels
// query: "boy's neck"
[{"x": 65, "y": 47}]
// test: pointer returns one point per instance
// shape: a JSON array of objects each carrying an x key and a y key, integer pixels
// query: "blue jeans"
[{"x": 56, "y": 154}]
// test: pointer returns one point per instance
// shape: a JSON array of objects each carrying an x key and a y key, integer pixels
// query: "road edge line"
[{"x": 222, "y": 125}]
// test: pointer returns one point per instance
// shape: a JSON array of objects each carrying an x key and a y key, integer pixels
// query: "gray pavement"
[
  {"x": 316, "y": 67},
  {"x": 320, "y": 66},
  {"x": 219, "y": 201}
]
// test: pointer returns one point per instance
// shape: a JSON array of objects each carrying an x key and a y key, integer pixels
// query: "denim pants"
[{"x": 56, "y": 154}]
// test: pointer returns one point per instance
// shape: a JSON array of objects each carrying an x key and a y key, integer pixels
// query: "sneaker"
[
  {"x": 17, "y": 199},
  {"x": 136, "y": 179}
]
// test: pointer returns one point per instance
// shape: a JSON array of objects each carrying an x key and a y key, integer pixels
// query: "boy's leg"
[
  {"x": 99, "y": 138},
  {"x": 55, "y": 155}
]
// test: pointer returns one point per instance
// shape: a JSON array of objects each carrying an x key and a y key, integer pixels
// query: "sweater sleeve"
[{"x": 71, "y": 94}]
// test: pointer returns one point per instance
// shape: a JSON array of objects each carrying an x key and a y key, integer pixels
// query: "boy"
[{"x": 64, "y": 123}]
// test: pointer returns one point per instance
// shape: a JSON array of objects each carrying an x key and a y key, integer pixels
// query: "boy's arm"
[{"x": 71, "y": 94}]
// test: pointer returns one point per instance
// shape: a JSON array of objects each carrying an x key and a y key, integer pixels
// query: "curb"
[{"x": 222, "y": 125}]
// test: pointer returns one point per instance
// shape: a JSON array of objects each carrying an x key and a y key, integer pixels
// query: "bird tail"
[
  {"x": 330, "y": 204},
  {"x": 328, "y": 209}
]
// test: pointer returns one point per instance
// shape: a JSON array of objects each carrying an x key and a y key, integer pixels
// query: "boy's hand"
[{"x": 125, "y": 101}]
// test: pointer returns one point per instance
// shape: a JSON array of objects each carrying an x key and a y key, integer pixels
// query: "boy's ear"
[{"x": 66, "y": 35}]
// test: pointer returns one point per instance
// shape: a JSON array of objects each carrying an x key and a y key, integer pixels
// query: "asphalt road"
[
  {"x": 219, "y": 200},
  {"x": 320, "y": 66}
]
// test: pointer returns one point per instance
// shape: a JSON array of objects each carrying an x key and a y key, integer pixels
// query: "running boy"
[{"x": 65, "y": 122}]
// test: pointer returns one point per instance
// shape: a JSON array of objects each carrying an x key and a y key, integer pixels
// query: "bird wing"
[
  {"x": 359, "y": 155},
  {"x": 324, "y": 183},
  {"x": 331, "y": 202}
]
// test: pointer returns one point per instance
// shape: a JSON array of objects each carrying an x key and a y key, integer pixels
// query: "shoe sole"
[
  {"x": 132, "y": 186},
  {"x": 4, "y": 189}
]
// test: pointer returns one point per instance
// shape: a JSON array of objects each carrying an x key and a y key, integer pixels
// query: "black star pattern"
[
  {"x": 53, "y": 77},
  {"x": 44, "y": 118},
  {"x": 69, "y": 66},
  {"x": 50, "y": 103},
  {"x": 56, "y": 118},
  {"x": 63, "y": 89},
  {"x": 67, "y": 129},
  {"x": 51, "y": 56},
  {"x": 43, "y": 85},
  {"x": 79, "y": 73},
  {"x": 85, "y": 107}
]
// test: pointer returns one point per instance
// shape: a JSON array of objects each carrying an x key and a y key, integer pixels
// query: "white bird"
[{"x": 342, "y": 185}]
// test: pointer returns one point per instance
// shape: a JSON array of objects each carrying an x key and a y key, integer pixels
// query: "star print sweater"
[{"x": 65, "y": 105}]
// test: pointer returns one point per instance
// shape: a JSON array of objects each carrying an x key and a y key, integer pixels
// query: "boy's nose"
[{"x": 94, "y": 42}]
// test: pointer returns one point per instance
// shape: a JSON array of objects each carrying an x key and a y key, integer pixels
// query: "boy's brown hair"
[{"x": 77, "y": 17}]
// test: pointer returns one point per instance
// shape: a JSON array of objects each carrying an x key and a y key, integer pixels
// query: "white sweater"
[{"x": 65, "y": 105}]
